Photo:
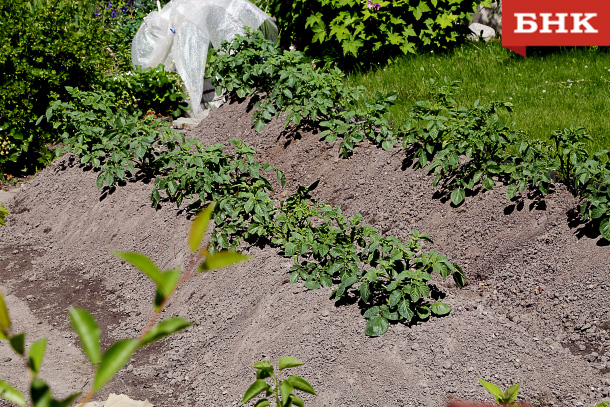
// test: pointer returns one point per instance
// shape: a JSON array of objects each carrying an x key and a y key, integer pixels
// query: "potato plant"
[
  {"x": 442, "y": 134},
  {"x": 288, "y": 82}
]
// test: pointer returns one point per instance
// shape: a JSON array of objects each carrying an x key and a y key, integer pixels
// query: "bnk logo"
[
  {"x": 527, "y": 23},
  {"x": 554, "y": 23}
]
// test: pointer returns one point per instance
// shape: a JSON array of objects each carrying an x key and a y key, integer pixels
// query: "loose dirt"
[{"x": 535, "y": 309}]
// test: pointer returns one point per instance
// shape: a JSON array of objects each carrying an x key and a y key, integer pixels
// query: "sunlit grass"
[{"x": 551, "y": 89}]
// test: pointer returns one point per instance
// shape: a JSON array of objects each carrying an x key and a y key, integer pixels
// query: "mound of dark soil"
[{"x": 535, "y": 309}]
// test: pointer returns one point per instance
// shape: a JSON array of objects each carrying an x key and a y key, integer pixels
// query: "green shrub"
[
  {"x": 44, "y": 46},
  {"x": 150, "y": 90},
  {"x": 120, "y": 20},
  {"x": 361, "y": 32}
]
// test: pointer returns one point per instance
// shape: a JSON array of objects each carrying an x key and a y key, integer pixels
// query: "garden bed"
[{"x": 534, "y": 310}]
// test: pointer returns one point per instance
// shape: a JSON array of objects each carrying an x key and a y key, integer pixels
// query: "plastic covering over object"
[{"x": 179, "y": 35}]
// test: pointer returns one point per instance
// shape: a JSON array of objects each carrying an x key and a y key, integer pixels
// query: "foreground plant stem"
[{"x": 190, "y": 272}]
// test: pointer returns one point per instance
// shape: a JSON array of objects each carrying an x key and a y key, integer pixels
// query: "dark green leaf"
[
  {"x": 312, "y": 285},
  {"x": 365, "y": 291},
  {"x": 404, "y": 309},
  {"x": 423, "y": 312},
  {"x": 372, "y": 312},
  {"x": 326, "y": 281},
  {"x": 395, "y": 298},
  {"x": 457, "y": 196},
  {"x": 511, "y": 191},
  {"x": 376, "y": 326},
  {"x": 440, "y": 309},
  {"x": 18, "y": 343},
  {"x": 259, "y": 125}
]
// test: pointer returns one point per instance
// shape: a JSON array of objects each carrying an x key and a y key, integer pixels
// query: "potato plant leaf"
[
  {"x": 376, "y": 326},
  {"x": 88, "y": 331},
  {"x": 200, "y": 226},
  {"x": 439, "y": 309},
  {"x": 423, "y": 312},
  {"x": 457, "y": 196},
  {"x": 11, "y": 394},
  {"x": 262, "y": 403},
  {"x": 113, "y": 360}
]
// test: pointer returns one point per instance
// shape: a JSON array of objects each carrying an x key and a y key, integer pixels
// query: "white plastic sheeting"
[{"x": 179, "y": 35}]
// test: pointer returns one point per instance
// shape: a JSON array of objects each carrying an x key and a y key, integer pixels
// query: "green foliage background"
[
  {"x": 44, "y": 46},
  {"x": 356, "y": 33}
]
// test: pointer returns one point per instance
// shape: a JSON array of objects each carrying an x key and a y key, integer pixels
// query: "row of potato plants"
[
  {"x": 466, "y": 147},
  {"x": 393, "y": 278},
  {"x": 440, "y": 134}
]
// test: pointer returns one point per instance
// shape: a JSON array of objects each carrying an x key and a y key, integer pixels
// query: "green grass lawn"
[{"x": 550, "y": 89}]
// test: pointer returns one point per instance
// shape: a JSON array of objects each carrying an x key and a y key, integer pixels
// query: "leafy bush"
[
  {"x": 108, "y": 363},
  {"x": 44, "y": 46},
  {"x": 357, "y": 32},
  {"x": 150, "y": 90},
  {"x": 108, "y": 138},
  {"x": 120, "y": 20}
]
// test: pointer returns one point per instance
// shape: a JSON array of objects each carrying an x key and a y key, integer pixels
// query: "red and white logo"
[{"x": 554, "y": 23}]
